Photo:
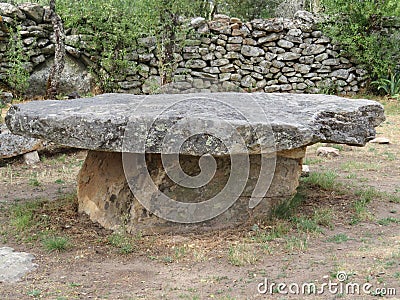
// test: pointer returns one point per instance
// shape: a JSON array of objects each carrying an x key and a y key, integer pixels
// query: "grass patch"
[
  {"x": 180, "y": 252},
  {"x": 312, "y": 161},
  {"x": 242, "y": 254},
  {"x": 305, "y": 224},
  {"x": 22, "y": 216},
  {"x": 294, "y": 243},
  {"x": 393, "y": 198},
  {"x": 338, "y": 238},
  {"x": 325, "y": 180},
  {"x": 357, "y": 165},
  {"x": 280, "y": 229},
  {"x": 324, "y": 217},
  {"x": 124, "y": 243},
  {"x": 36, "y": 220},
  {"x": 34, "y": 293},
  {"x": 352, "y": 176},
  {"x": 33, "y": 180},
  {"x": 390, "y": 156},
  {"x": 365, "y": 196},
  {"x": 391, "y": 107},
  {"x": 369, "y": 194},
  {"x": 360, "y": 212},
  {"x": 55, "y": 243},
  {"x": 388, "y": 221},
  {"x": 286, "y": 209}
]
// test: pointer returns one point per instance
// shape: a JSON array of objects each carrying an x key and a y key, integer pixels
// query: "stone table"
[{"x": 182, "y": 162}]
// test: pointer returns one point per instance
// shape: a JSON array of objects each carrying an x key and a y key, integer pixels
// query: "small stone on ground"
[
  {"x": 31, "y": 158},
  {"x": 328, "y": 152},
  {"x": 14, "y": 265},
  {"x": 380, "y": 140},
  {"x": 305, "y": 171}
]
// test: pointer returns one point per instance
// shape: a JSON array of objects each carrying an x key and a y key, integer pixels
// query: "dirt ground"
[{"x": 230, "y": 264}]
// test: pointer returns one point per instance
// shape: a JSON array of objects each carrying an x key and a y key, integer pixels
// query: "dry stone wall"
[
  {"x": 275, "y": 55},
  {"x": 31, "y": 24},
  {"x": 272, "y": 55}
]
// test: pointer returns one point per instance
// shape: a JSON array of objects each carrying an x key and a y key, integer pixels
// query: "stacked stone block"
[
  {"x": 35, "y": 31},
  {"x": 270, "y": 55}
]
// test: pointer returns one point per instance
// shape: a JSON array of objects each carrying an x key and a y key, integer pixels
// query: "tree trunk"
[{"x": 53, "y": 82}]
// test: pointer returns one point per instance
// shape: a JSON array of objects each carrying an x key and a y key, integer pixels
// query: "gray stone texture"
[
  {"x": 75, "y": 77},
  {"x": 13, "y": 145},
  {"x": 15, "y": 265},
  {"x": 206, "y": 51},
  {"x": 116, "y": 122},
  {"x": 104, "y": 194}
]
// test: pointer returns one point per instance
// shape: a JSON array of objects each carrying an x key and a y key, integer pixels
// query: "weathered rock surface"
[
  {"x": 283, "y": 121},
  {"x": 5, "y": 98},
  {"x": 13, "y": 145},
  {"x": 75, "y": 78},
  {"x": 270, "y": 130},
  {"x": 328, "y": 152},
  {"x": 14, "y": 265},
  {"x": 105, "y": 195},
  {"x": 305, "y": 171},
  {"x": 31, "y": 158}
]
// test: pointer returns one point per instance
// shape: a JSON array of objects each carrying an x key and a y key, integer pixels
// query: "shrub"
[
  {"x": 17, "y": 74},
  {"x": 357, "y": 27},
  {"x": 390, "y": 85}
]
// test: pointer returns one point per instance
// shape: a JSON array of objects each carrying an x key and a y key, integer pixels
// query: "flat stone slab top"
[
  {"x": 99, "y": 123},
  {"x": 189, "y": 162}
]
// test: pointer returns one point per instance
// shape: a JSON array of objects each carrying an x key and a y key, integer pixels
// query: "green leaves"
[
  {"x": 390, "y": 85},
  {"x": 116, "y": 25},
  {"x": 357, "y": 27},
  {"x": 17, "y": 74}
]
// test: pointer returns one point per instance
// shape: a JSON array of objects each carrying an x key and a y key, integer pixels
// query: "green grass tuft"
[
  {"x": 324, "y": 217},
  {"x": 241, "y": 254},
  {"x": 124, "y": 243},
  {"x": 338, "y": 238},
  {"x": 55, "y": 243},
  {"x": 286, "y": 209},
  {"x": 306, "y": 225},
  {"x": 325, "y": 180},
  {"x": 22, "y": 215},
  {"x": 388, "y": 221}
]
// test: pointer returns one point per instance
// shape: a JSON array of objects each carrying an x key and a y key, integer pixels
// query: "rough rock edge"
[{"x": 99, "y": 123}]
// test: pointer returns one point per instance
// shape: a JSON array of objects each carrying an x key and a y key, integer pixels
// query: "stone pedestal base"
[{"x": 104, "y": 193}]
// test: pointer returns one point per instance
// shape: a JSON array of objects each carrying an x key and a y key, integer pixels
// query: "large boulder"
[{"x": 75, "y": 78}]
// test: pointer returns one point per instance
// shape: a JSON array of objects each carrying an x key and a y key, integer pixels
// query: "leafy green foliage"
[
  {"x": 116, "y": 26},
  {"x": 390, "y": 85},
  {"x": 357, "y": 27},
  {"x": 113, "y": 27},
  {"x": 247, "y": 9},
  {"x": 17, "y": 74}
]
